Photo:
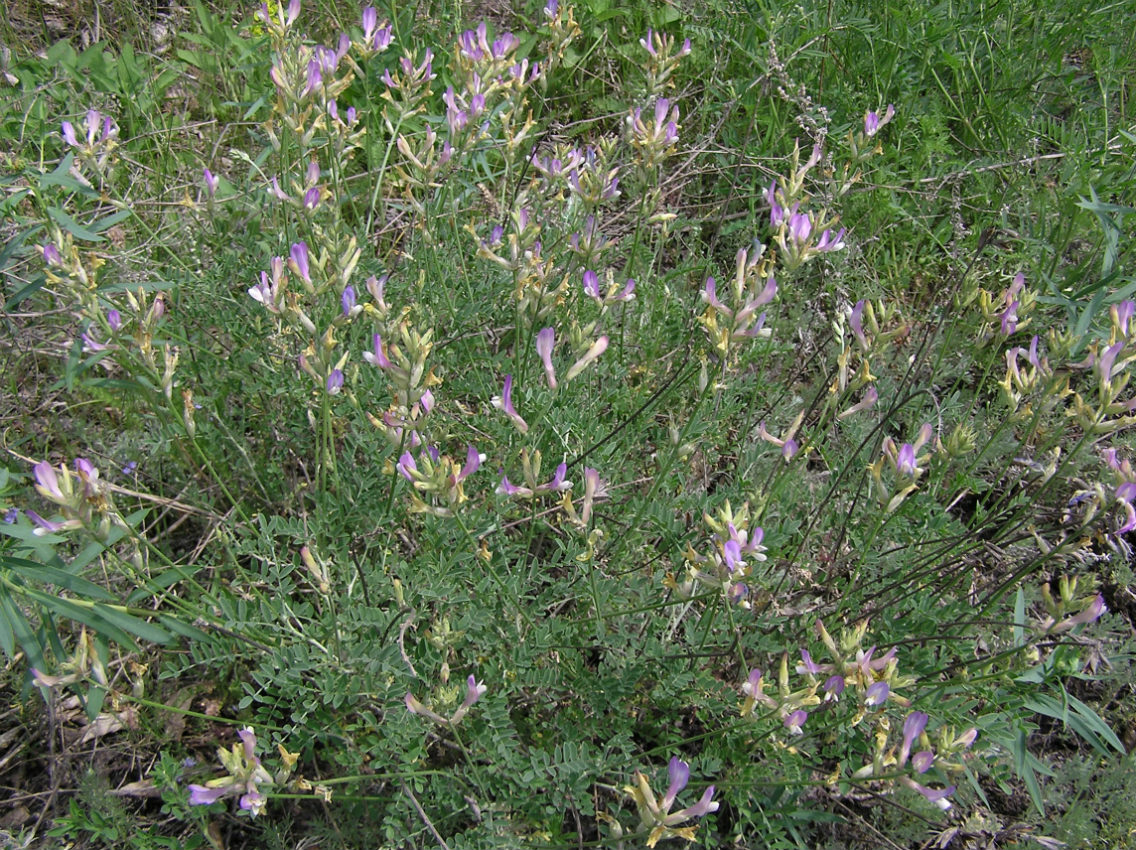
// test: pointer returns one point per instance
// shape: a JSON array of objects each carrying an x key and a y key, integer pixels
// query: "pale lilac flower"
[
  {"x": 312, "y": 198},
  {"x": 51, "y": 255},
  {"x": 809, "y": 666},
  {"x": 936, "y": 796},
  {"x": 473, "y": 691},
  {"x": 597, "y": 348},
  {"x": 1107, "y": 360},
  {"x": 830, "y": 242},
  {"x": 335, "y": 381},
  {"x": 922, "y": 761},
  {"x": 378, "y": 357},
  {"x": 871, "y": 396},
  {"x": 592, "y": 284},
  {"x": 298, "y": 261},
  {"x": 833, "y": 688},
  {"x": 793, "y": 722},
  {"x": 47, "y": 526},
  {"x": 627, "y": 293},
  {"x": 678, "y": 772},
  {"x": 200, "y": 795},
  {"x": 877, "y": 694},
  {"x": 504, "y": 403},
  {"x": 91, "y": 342},
  {"x": 1009, "y": 318},
  {"x": 800, "y": 226},
  {"x": 966, "y": 739},
  {"x": 905, "y": 460},
  {"x": 873, "y": 122},
  {"x": 593, "y": 489},
  {"x": 47, "y": 482},
  {"x": 69, "y": 134},
  {"x": 210, "y": 182},
  {"x": 114, "y": 319},
  {"x": 1122, "y": 315},
  {"x": 347, "y": 300},
  {"x": 545, "y": 341},
  {"x": 11, "y": 515},
  {"x": 507, "y": 488},
  {"x": 407, "y": 467},
  {"x": 913, "y": 727},
  {"x": 1093, "y": 612},
  {"x": 776, "y": 211}
]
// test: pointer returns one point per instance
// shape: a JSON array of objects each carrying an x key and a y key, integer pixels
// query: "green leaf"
[
  {"x": 71, "y": 226},
  {"x": 134, "y": 625},
  {"x": 22, "y": 630},
  {"x": 60, "y": 578}
]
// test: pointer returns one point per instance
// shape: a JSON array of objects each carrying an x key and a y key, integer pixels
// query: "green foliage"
[{"x": 399, "y": 436}]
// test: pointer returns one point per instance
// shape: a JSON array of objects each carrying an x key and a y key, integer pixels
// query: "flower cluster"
[
  {"x": 244, "y": 774},
  {"x": 532, "y": 487},
  {"x": 653, "y": 137},
  {"x": 1109, "y": 365},
  {"x": 1058, "y": 619},
  {"x": 734, "y": 550},
  {"x": 438, "y": 476},
  {"x": 800, "y": 233},
  {"x": 752, "y": 287},
  {"x": 655, "y": 817},
  {"x": 82, "y": 497},
  {"x": 662, "y": 60},
  {"x": 1009, "y": 311},
  {"x": 94, "y": 147},
  {"x": 404, "y": 366},
  {"x": 474, "y": 690},
  {"x": 906, "y": 465}
]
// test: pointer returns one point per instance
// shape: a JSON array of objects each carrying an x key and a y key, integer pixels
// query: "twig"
[{"x": 422, "y": 814}]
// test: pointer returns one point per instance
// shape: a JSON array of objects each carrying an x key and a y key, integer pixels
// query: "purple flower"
[
  {"x": 473, "y": 691},
  {"x": 504, "y": 402},
  {"x": 347, "y": 300},
  {"x": 69, "y": 134},
  {"x": 51, "y": 255},
  {"x": 312, "y": 198},
  {"x": 800, "y": 226},
  {"x": 679, "y": 773},
  {"x": 298, "y": 261},
  {"x": 913, "y": 727},
  {"x": 114, "y": 319},
  {"x": 871, "y": 124},
  {"x": 592, "y": 284},
  {"x": 833, "y": 688},
  {"x": 200, "y": 795},
  {"x": 776, "y": 211},
  {"x": 545, "y": 341},
  {"x": 335, "y": 381},
  {"x": 210, "y": 182},
  {"x": 1122, "y": 314},
  {"x": 793, "y": 722},
  {"x": 856, "y": 321},
  {"x": 829, "y": 242},
  {"x": 11, "y": 515},
  {"x": 922, "y": 761},
  {"x": 877, "y": 694},
  {"x": 703, "y": 807},
  {"x": 47, "y": 483},
  {"x": 807, "y": 664},
  {"x": 378, "y": 357},
  {"x": 905, "y": 460}
]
